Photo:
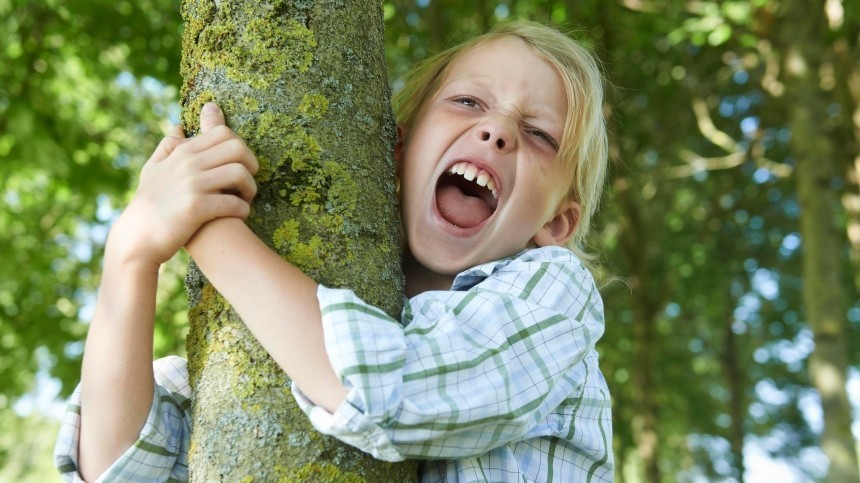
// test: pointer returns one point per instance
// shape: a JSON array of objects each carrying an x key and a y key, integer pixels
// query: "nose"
[{"x": 499, "y": 130}]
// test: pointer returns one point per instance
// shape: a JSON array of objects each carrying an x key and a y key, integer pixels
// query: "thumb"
[{"x": 210, "y": 116}]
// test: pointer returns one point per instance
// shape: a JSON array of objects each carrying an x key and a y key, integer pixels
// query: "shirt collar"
[{"x": 477, "y": 274}]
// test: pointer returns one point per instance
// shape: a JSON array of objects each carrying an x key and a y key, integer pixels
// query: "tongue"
[{"x": 460, "y": 209}]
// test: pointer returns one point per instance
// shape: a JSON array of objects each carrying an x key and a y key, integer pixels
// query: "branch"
[
  {"x": 709, "y": 130},
  {"x": 696, "y": 163}
]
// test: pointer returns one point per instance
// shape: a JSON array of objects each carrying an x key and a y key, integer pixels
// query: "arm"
[
  {"x": 183, "y": 185},
  {"x": 117, "y": 379},
  {"x": 276, "y": 300}
]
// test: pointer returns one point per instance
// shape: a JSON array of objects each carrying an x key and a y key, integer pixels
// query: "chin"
[
  {"x": 441, "y": 265},
  {"x": 450, "y": 269},
  {"x": 445, "y": 267}
]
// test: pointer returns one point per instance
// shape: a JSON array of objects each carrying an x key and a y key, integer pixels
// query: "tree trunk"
[
  {"x": 304, "y": 83},
  {"x": 638, "y": 249},
  {"x": 736, "y": 383},
  {"x": 818, "y": 166},
  {"x": 848, "y": 92}
]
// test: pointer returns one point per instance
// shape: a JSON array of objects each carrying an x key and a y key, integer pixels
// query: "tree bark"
[
  {"x": 305, "y": 84},
  {"x": 804, "y": 35}
]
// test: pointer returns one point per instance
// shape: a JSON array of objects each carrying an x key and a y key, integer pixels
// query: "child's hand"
[{"x": 186, "y": 183}]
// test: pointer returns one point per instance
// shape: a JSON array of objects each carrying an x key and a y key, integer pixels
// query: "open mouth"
[{"x": 466, "y": 195}]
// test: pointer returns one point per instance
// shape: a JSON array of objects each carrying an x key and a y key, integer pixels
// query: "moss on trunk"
[{"x": 304, "y": 83}]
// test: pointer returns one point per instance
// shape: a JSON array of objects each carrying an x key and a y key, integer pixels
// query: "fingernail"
[{"x": 210, "y": 108}]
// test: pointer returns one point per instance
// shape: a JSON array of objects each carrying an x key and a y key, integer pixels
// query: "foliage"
[
  {"x": 700, "y": 222},
  {"x": 79, "y": 109},
  {"x": 27, "y": 459}
]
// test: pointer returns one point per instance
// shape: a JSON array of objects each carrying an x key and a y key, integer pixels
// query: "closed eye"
[{"x": 543, "y": 136}]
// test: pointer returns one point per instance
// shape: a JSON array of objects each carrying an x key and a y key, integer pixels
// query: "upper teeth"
[{"x": 473, "y": 173}]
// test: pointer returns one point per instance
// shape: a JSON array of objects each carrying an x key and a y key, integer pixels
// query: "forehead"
[{"x": 511, "y": 70}]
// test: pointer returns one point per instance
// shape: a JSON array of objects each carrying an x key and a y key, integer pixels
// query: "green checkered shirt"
[{"x": 495, "y": 380}]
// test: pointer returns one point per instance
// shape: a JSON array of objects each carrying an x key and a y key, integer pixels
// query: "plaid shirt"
[{"x": 494, "y": 380}]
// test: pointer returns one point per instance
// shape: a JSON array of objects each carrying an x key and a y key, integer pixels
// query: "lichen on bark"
[{"x": 304, "y": 83}]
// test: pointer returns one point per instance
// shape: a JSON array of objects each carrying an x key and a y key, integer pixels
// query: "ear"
[{"x": 558, "y": 230}]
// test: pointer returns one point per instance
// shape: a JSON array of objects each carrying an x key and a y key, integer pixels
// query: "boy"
[{"x": 493, "y": 375}]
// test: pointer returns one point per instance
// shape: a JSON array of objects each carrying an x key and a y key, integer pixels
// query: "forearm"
[
  {"x": 276, "y": 300},
  {"x": 117, "y": 379}
]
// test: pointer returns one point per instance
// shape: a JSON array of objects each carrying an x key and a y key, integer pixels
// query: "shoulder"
[{"x": 550, "y": 276}]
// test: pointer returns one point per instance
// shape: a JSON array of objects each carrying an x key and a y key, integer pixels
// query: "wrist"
[
  {"x": 124, "y": 254},
  {"x": 214, "y": 234}
]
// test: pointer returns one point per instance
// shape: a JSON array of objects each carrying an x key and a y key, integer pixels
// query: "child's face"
[{"x": 498, "y": 117}]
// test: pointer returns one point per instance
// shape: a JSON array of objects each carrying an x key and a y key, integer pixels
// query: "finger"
[
  {"x": 167, "y": 145},
  {"x": 210, "y": 117},
  {"x": 176, "y": 132},
  {"x": 224, "y": 205},
  {"x": 231, "y": 179},
  {"x": 230, "y": 150},
  {"x": 246, "y": 189},
  {"x": 213, "y": 136}
]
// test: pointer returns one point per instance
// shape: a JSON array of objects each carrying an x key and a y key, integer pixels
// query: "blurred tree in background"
[
  {"x": 732, "y": 121},
  {"x": 85, "y": 92}
]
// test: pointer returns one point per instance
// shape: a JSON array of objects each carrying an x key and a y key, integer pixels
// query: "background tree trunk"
[
  {"x": 736, "y": 382},
  {"x": 804, "y": 33},
  {"x": 304, "y": 83},
  {"x": 646, "y": 301}
]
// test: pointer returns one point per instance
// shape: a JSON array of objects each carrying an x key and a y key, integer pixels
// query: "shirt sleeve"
[
  {"x": 161, "y": 451},
  {"x": 472, "y": 370}
]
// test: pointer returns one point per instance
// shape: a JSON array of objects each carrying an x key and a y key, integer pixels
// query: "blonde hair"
[{"x": 584, "y": 145}]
